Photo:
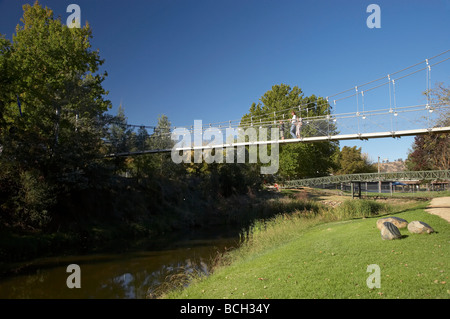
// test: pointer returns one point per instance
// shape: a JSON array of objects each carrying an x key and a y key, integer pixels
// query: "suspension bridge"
[
  {"x": 316, "y": 122},
  {"x": 370, "y": 177}
]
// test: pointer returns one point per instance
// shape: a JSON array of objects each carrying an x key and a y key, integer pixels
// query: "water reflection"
[{"x": 139, "y": 274}]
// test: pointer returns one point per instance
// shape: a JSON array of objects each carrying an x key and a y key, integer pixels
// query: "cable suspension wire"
[
  {"x": 310, "y": 105},
  {"x": 337, "y": 119}
]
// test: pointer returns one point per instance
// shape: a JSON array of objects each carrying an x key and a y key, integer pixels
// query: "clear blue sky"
[{"x": 210, "y": 59}]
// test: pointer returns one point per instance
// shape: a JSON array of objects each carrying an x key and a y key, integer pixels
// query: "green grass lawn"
[{"x": 330, "y": 260}]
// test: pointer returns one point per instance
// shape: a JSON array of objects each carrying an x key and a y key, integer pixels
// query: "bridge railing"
[
  {"x": 392, "y": 122},
  {"x": 370, "y": 177}
]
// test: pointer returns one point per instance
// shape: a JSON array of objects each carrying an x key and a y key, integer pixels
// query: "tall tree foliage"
[
  {"x": 160, "y": 139},
  {"x": 120, "y": 139},
  {"x": 51, "y": 103},
  {"x": 432, "y": 151},
  {"x": 298, "y": 160},
  {"x": 350, "y": 160},
  {"x": 5, "y": 79},
  {"x": 54, "y": 130}
]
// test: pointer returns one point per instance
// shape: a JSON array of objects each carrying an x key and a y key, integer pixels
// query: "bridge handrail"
[{"x": 370, "y": 177}]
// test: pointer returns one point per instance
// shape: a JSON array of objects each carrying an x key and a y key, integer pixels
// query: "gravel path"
[{"x": 440, "y": 206}]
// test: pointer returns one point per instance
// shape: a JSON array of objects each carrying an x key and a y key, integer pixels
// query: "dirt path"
[{"x": 440, "y": 206}]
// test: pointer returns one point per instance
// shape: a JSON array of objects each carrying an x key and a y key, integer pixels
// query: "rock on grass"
[
  {"x": 398, "y": 222},
  {"x": 418, "y": 227},
  {"x": 389, "y": 231}
]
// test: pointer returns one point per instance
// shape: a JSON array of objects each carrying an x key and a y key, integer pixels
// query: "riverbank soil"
[{"x": 440, "y": 206}]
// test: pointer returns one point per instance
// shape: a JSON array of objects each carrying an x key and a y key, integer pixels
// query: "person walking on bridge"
[
  {"x": 293, "y": 125},
  {"x": 299, "y": 127}
]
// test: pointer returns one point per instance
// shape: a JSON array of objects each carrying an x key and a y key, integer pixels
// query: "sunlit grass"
[{"x": 304, "y": 255}]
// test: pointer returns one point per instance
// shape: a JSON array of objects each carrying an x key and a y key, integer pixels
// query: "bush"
[
  {"x": 33, "y": 200},
  {"x": 359, "y": 208}
]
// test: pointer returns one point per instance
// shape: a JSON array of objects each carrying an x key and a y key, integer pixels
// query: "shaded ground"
[{"x": 440, "y": 206}]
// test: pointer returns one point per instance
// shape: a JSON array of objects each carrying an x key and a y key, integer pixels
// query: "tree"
[
  {"x": 350, "y": 161},
  {"x": 440, "y": 96},
  {"x": 432, "y": 151},
  {"x": 142, "y": 139},
  {"x": 299, "y": 160},
  {"x": 120, "y": 139},
  {"x": 149, "y": 164},
  {"x": 51, "y": 103},
  {"x": 60, "y": 94},
  {"x": 161, "y": 139},
  {"x": 6, "y": 79},
  {"x": 419, "y": 157}
]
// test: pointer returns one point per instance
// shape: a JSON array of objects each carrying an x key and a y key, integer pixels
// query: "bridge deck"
[{"x": 357, "y": 136}]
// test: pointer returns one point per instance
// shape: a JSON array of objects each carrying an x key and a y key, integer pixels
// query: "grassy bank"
[{"x": 326, "y": 255}]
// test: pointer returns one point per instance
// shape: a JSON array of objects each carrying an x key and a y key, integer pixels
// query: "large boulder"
[
  {"x": 389, "y": 231},
  {"x": 398, "y": 222},
  {"x": 418, "y": 227}
]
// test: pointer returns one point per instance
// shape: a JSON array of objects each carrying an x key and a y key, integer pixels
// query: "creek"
[{"x": 135, "y": 274}]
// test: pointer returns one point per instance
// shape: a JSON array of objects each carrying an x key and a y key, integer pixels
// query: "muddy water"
[{"x": 136, "y": 274}]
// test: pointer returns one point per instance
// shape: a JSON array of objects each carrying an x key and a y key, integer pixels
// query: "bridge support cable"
[{"x": 390, "y": 121}]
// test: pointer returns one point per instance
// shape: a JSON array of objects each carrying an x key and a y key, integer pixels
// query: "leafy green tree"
[
  {"x": 61, "y": 95},
  {"x": 51, "y": 105},
  {"x": 298, "y": 160},
  {"x": 119, "y": 134},
  {"x": 119, "y": 139},
  {"x": 142, "y": 139},
  {"x": 161, "y": 140},
  {"x": 350, "y": 161},
  {"x": 6, "y": 79},
  {"x": 147, "y": 165},
  {"x": 140, "y": 165}
]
